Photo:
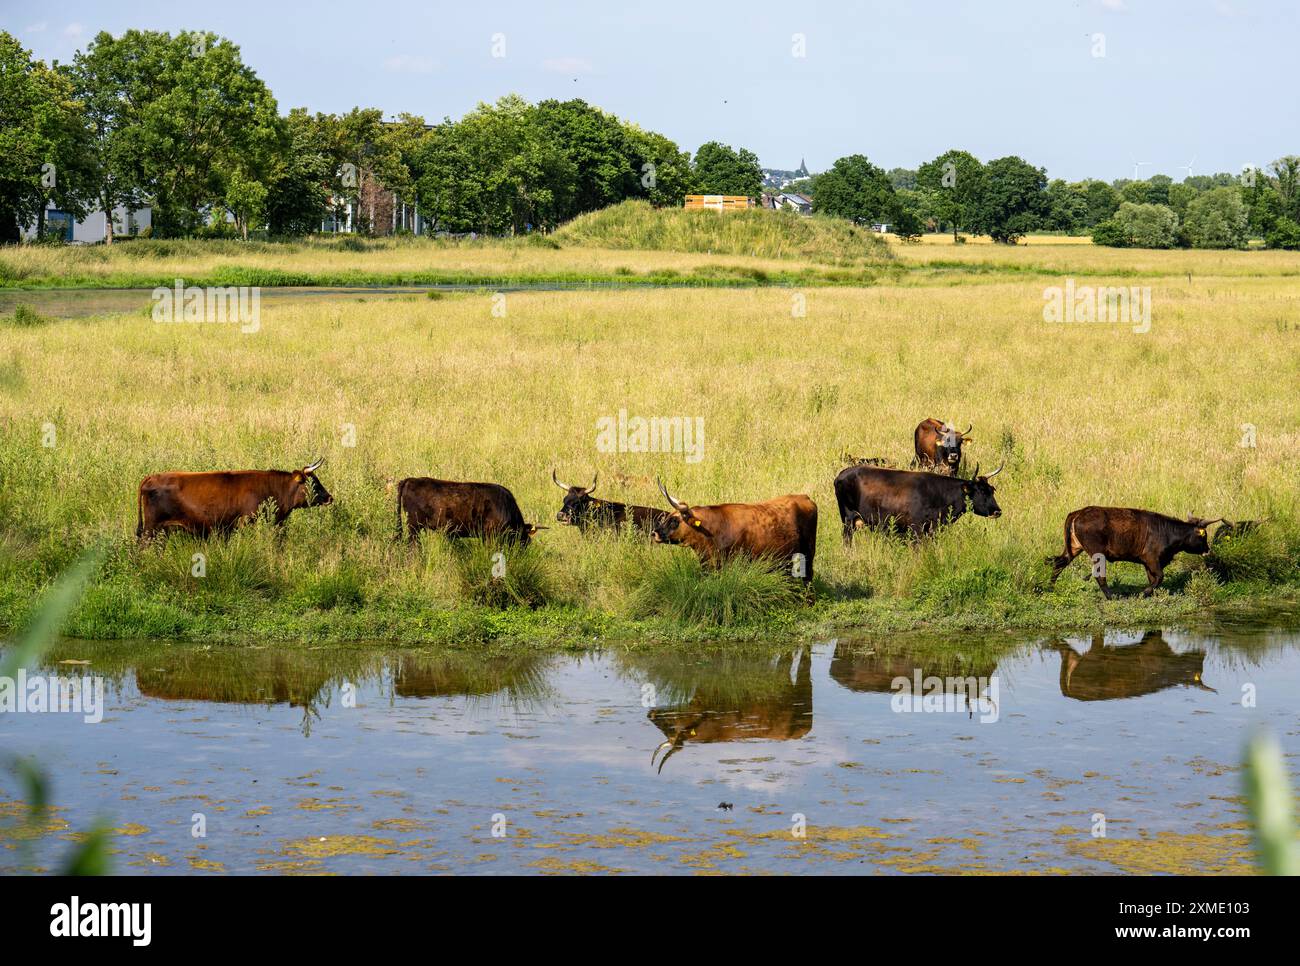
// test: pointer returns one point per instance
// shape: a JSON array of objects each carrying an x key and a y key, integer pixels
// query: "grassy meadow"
[
  {"x": 390, "y": 386},
  {"x": 785, "y": 377},
  {"x": 627, "y": 245}
]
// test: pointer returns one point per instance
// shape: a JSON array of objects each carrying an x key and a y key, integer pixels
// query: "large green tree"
[
  {"x": 856, "y": 189},
  {"x": 1013, "y": 199},
  {"x": 178, "y": 117},
  {"x": 43, "y": 141},
  {"x": 723, "y": 170},
  {"x": 953, "y": 182}
]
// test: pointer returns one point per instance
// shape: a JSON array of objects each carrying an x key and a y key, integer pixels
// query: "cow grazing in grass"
[
  {"x": 205, "y": 503},
  {"x": 1135, "y": 536},
  {"x": 460, "y": 510},
  {"x": 907, "y": 502},
  {"x": 938, "y": 445},
  {"x": 582, "y": 510},
  {"x": 777, "y": 530}
]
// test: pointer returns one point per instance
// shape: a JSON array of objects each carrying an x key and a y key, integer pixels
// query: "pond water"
[
  {"x": 360, "y": 760},
  {"x": 72, "y": 303}
]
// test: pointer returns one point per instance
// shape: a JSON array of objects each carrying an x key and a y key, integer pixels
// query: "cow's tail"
[
  {"x": 1059, "y": 563},
  {"x": 401, "y": 524},
  {"x": 139, "y": 512}
]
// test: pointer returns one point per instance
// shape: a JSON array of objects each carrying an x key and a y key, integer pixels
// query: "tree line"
[
  {"x": 1007, "y": 198},
  {"x": 179, "y": 123}
]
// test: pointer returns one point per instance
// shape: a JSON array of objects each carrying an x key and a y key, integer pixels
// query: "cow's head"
[
  {"x": 308, "y": 490},
  {"x": 578, "y": 502},
  {"x": 682, "y": 527},
  {"x": 1198, "y": 541},
  {"x": 529, "y": 531},
  {"x": 948, "y": 445},
  {"x": 979, "y": 491}
]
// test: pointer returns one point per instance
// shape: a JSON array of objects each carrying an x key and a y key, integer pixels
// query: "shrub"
[
  {"x": 1148, "y": 226},
  {"x": 498, "y": 572},
  {"x": 24, "y": 316},
  {"x": 676, "y": 585},
  {"x": 1111, "y": 234},
  {"x": 1217, "y": 219},
  {"x": 1285, "y": 234},
  {"x": 1269, "y": 553}
]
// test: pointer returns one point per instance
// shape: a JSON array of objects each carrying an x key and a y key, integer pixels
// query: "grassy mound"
[{"x": 758, "y": 232}]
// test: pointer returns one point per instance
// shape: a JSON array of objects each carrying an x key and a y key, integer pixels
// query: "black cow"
[
  {"x": 582, "y": 510},
  {"x": 1135, "y": 536},
  {"x": 460, "y": 509},
  {"x": 908, "y": 502}
]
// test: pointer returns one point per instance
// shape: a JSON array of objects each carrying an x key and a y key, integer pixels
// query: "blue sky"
[{"x": 1204, "y": 81}]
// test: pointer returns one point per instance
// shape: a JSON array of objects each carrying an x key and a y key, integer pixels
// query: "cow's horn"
[
  {"x": 968, "y": 429},
  {"x": 314, "y": 466},
  {"x": 995, "y": 472},
  {"x": 655, "y": 754},
  {"x": 562, "y": 486},
  {"x": 675, "y": 504},
  {"x": 592, "y": 488}
]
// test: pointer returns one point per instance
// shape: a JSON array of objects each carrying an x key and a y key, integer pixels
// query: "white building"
[{"x": 94, "y": 227}]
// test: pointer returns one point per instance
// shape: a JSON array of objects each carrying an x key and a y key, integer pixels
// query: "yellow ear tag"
[
  {"x": 695, "y": 523},
  {"x": 1200, "y": 531}
]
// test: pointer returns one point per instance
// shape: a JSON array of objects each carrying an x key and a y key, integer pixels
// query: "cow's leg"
[
  {"x": 1101, "y": 582},
  {"x": 1155, "y": 574},
  {"x": 1060, "y": 563},
  {"x": 850, "y": 524}
]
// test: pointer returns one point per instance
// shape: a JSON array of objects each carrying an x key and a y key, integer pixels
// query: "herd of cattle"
[{"x": 871, "y": 493}]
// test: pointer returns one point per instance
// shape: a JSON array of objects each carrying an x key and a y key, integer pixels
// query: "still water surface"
[{"x": 387, "y": 761}]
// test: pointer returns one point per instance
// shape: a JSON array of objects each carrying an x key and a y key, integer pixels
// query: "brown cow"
[
  {"x": 1135, "y": 536},
  {"x": 205, "y": 503},
  {"x": 938, "y": 445},
  {"x": 460, "y": 509},
  {"x": 776, "y": 529}
]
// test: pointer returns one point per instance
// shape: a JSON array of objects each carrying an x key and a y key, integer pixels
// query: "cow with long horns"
[
  {"x": 582, "y": 510},
  {"x": 782, "y": 530},
  {"x": 459, "y": 509},
  {"x": 1134, "y": 536},
  {"x": 909, "y": 503},
  {"x": 206, "y": 503},
  {"x": 938, "y": 445}
]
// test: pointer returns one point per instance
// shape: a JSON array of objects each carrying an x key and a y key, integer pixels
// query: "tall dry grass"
[{"x": 1080, "y": 414}]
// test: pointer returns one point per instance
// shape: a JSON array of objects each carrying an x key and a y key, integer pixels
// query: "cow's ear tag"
[
  {"x": 695, "y": 523},
  {"x": 1200, "y": 531},
  {"x": 298, "y": 477}
]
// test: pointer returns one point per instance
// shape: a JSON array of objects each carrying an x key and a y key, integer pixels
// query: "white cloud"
[
  {"x": 409, "y": 64},
  {"x": 73, "y": 30},
  {"x": 38, "y": 28},
  {"x": 567, "y": 65},
  {"x": 1113, "y": 4}
]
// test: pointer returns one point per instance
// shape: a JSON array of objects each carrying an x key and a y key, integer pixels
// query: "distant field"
[
  {"x": 1080, "y": 414},
  {"x": 1057, "y": 254}
]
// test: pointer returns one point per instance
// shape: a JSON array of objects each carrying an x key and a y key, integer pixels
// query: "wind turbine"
[
  {"x": 1188, "y": 166},
  {"x": 1138, "y": 164}
]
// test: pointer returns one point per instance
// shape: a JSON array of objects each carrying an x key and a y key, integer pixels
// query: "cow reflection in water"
[
  {"x": 1106, "y": 672},
  {"x": 249, "y": 677},
  {"x": 864, "y": 670},
  {"x": 778, "y": 709}
]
